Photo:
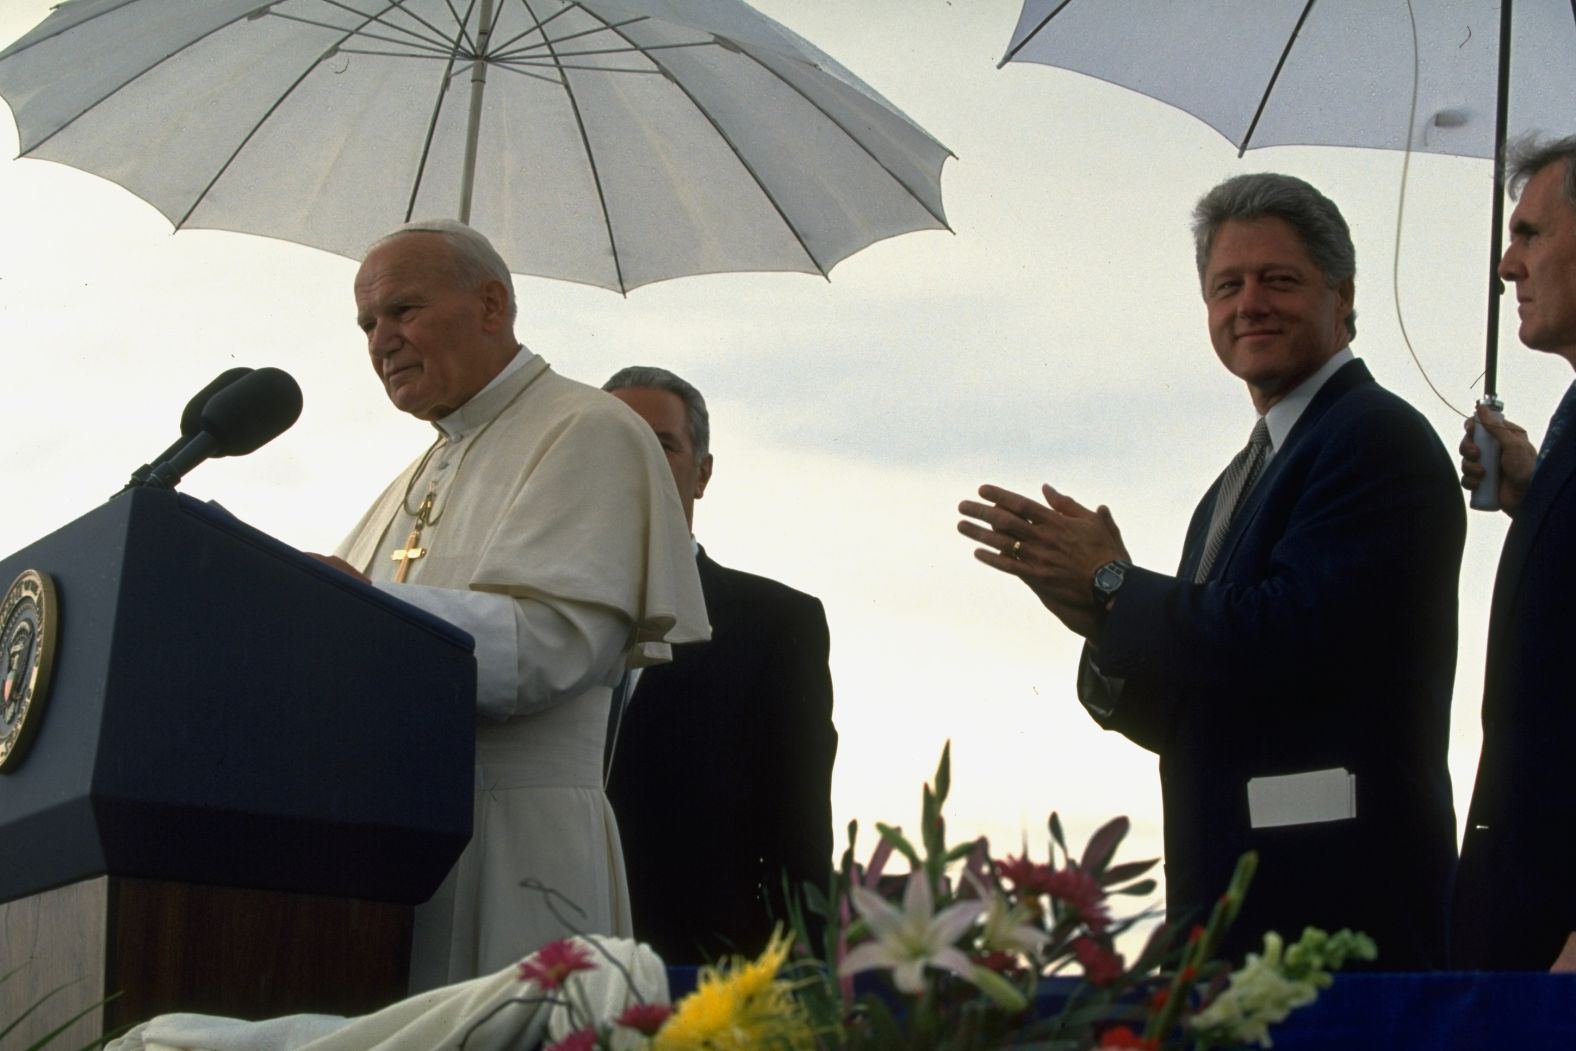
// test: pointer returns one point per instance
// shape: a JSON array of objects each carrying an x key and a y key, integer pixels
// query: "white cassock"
[
  {"x": 556, "y": 538},
  {"x": 496, "y": 1012}
]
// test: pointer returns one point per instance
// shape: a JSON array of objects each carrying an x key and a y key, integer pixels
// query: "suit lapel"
[
  {"x": 716, "y": 589},
  {"x": 1349, "y": 376},
  {"x": 1553, "y": 477}
]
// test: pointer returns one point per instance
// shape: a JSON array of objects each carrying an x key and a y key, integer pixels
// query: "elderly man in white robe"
[{"x": 543, "y": 521}]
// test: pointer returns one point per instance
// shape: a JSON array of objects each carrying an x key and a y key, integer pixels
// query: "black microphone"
[
  {"x": 239, "y": 419},
  {"x": 191, "y": 423}
]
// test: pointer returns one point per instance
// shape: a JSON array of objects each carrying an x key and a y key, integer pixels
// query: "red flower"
[
  {"x": 554, "y": 962},
  {"x": 1077, "y": 888},
  {"x": 1025, "y": 876},
  {"x": 579, "y": 1040},
  {"x": 644, "y": 1018},
  {"x": 1100, "y": 965},
  {"x": 1122, "y": 1036}
]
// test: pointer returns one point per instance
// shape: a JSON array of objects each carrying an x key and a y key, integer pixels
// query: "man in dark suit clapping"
[
  {"x": 720, "y": 764},
  {"x": 1294, "y": 675}
]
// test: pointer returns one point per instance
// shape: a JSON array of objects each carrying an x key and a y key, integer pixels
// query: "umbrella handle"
[{"x": 1486, "y": 496}]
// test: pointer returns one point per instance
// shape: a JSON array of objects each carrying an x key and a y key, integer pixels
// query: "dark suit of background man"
[
  {"x": 1294, "y": 677},
  {"x": 721, "y": 769},
  {"x": 1516, "y": 897}
]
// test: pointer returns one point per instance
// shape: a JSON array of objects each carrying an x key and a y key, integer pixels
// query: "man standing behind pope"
[{"x": 544, "y": 522}]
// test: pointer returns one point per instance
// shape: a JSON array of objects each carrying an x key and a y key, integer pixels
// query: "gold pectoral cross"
[{"x": 411, "y": 551}]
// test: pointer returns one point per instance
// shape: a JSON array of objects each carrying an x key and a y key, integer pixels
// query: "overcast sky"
[{"x": 1055, "y": 335}]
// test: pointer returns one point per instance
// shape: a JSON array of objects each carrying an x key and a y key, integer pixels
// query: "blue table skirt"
[
  {"x": 1445, "y": 1011},
  {"x": 1469, "y": 1011}
]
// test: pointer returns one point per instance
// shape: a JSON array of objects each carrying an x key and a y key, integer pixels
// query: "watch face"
[
  {"x": 27, "y": 653},
  {"x": 1109, "y": 577}
]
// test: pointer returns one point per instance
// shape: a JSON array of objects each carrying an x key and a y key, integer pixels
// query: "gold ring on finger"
[{"x": 1017, "y": 550}]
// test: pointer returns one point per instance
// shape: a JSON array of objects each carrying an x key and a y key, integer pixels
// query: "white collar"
[
  {"x": 456, "y": 423},
  {"x": 1284, "y": 414}
]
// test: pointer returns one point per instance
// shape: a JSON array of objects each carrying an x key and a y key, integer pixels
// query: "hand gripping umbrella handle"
[{"x": 1486, "y": 496}]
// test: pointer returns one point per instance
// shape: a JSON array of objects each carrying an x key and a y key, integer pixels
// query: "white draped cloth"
[
  {"x": 557, "y": 539},
  {"x": 497, "y": 1012}
]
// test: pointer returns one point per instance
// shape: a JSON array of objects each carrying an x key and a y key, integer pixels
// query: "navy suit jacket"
[
  {"x": 721, "y": 775},
  {"x": 1516, "y": 899},
  {"x": 1324, "y": 638}
]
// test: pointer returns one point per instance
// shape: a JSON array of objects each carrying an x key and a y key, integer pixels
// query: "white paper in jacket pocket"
[{"x": 1302, "y": 799}]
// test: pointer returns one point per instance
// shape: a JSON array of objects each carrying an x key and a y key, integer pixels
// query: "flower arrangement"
[{"x": 958, "y": 959}]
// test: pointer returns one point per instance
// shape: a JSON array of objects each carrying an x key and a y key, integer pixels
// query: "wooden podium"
[{"x": 247, "y": 770}]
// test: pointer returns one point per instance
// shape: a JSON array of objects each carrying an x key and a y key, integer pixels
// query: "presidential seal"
[{"x": 27, "y": 653}]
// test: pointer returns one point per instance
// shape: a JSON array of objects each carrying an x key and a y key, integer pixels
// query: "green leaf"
[
  {"x": 1057, "y": 837},
  {"x": 884, "y": 1027},
  {"x": 1002, "y": 992},
  {"x": 1102, "y": 845},
  {"x": 816, "y": 901},
  {"x": 930, "y": 825},
  {"x": 35, "y": 1005},
  {"x": 894, "y": 835},
  {"x": 944, "y": 774},
  {"x": 962, "y": 850},
  {"x": 50, "y": 1036},
  {"x": 1138, "y": 889},
  {"x": 1126, "y": 871},
  {"x": 848, "y": 860}
]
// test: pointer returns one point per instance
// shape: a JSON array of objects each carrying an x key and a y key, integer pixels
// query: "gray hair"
[
  {"x": 1528, "y": 155},
  {"x": 475, "y": 260},
  {"x": 661, "y": 379},
  {"x": 1268, "y": 195}
]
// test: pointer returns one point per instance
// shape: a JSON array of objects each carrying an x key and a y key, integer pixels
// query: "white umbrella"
[
  {"x": 1435, "y": 76},
  {"x": 610, "y": 142}
]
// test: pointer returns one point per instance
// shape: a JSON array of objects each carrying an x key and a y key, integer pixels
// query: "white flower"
[
  {"x": 908, "y": 940},
  {"x": 1259, "y": 995},
  {"x": 1006, "y": 926}
]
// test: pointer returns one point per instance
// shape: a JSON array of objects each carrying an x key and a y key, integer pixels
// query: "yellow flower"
[{"x": 738, "y": 1005}]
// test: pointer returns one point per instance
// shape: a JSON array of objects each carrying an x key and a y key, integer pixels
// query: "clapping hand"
[{"x": 1054, "y": 547}]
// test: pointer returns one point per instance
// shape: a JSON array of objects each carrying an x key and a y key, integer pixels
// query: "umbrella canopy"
[
  {"x": 1434, "y": 76},
  {"x": 610, "y": 142}
]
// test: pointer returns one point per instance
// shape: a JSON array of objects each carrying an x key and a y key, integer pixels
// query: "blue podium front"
[{"x": 227, "y": 711}]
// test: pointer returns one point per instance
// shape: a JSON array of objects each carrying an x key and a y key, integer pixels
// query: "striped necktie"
[{"x": 1235, "y": 485}]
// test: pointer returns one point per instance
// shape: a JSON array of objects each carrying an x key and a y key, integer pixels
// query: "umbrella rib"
[
  {"x": 857, "y": 142},
  {"x": 256, "y": 126},
  {"x": 616, "y": 50},
  {"x": 463, "y": 21},
  {"x": 401, "y": 5},
  {"x": 539, "y": 24},
  {"x": 111, "y": 91},
  {"x": 437, "y": 110},
  {"x": 1031, "y": 34},
  {"x": 444, "y": 56},
  {"x": 524, "y": 69},
  {"x": 1269, "y": 88},
  {"x": 66, "y": 29},
  {"x": 524, "y": 66},
  {"x": 585, "y": 141},
  {"x": 743, "y": 162},
  {"x": 417, "y": 42}
]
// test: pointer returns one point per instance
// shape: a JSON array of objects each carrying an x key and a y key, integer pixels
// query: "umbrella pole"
[
  {"x": 1486, "y": 496},
  {"x": 1495, "y": 286},
  {"x": 473, "y": 124}
]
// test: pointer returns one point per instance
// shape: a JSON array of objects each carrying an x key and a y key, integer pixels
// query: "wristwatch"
[{"x": 1108, "y": 581}]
